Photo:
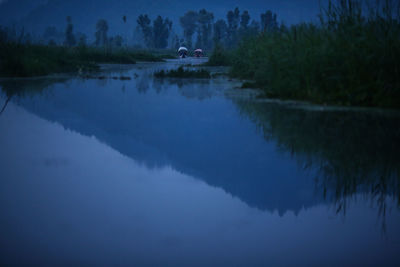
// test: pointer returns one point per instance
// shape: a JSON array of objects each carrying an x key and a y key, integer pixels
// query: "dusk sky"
[{"x": 36, "y": 15}]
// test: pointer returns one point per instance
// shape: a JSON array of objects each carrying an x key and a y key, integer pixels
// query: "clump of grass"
[
  {"x": 351, "y": 58},
  {"x": 219, "y": 57},
  {"x": 33, "y": 60},
  {"x": 183, "y": 73},
  {"x": 246, "y": 85}
]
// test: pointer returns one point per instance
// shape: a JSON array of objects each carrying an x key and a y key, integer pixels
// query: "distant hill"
[{"x": 36, "y": 15}]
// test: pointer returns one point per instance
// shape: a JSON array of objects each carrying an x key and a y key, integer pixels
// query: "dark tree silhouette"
[
  {"x": 244, "y": 19},
  {"x": 204, "y": 33},
  {"x": 268, "y": 21},
  {"x": 189, "y": 25},
  {"x": 161, "y": 30},
  {"x": 233, "y": 18},
  {"x": 220, "y": 31},
  {"x": 101, "y": 32},
  {"x": 69, "y": 35},
  {"x": 145, "y": 25}
]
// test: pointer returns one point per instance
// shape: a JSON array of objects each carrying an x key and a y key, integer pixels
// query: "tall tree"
[
  {"x": 189, "y": 25},
  {"x": 124, "y": 19},
  {"x": 176, "y": 42},
  {"x": 233, "y": 18},
  {"x": 244, "y": 25},
  {"x": 244, "y": 19},
  {"x": 254, "y": 28},
  {"x": 117, "y": 41},
  {"x": 161, "y": 30},
  {"x": 205, "y": 21},
  {"x": 145, "y": 25},
  {"x": 268, "y": 21},
  {"x": 220, "y": 31},
  {"x": 69, "y": 35},
  {"x": 101, "y": 32}
]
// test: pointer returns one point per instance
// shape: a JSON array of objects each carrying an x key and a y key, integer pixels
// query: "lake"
[{"x": 191, "y": 172}]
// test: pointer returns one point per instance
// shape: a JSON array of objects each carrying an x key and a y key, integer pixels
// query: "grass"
[
  {"x": 351, "y": 58},
  {"x": 183, "y": 73},
  {"x": 18, "y": 60},
  {"x": 219, "y": 57}
]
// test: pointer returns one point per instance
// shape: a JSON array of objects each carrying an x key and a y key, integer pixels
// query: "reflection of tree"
[
  {"x": 5, "y": 104},
  {"x": 189, "y": 88},
  {"x": 353, "y": 152},
  {"x": 23, "y": 88},
  {"x": 143, "y": 83},
  {"x": 27, "y": 87}
]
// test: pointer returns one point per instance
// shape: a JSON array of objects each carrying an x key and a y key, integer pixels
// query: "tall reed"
[{"x": 352, "y": 57}]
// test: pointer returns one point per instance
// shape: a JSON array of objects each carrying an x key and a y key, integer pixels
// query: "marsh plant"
[{"x": 352, "y": 57}]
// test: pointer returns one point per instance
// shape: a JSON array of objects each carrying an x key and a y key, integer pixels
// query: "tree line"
[{"x": 200, "y": 29}]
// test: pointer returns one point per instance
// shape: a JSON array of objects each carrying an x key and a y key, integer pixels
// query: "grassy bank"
[
  {"x": 350, "y": 58},
  {"x": 183, "y": 73},
  {"x": 220, "y": 57},
  {"x": 34, "y": 60}
]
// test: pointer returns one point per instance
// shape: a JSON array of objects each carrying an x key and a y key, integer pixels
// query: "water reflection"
[
  {"x": 175, "y": 167},
  {"x": 301, "y": 158},
  {"x": 353, "y": 152},
  {"x": 77, "y": 201}
]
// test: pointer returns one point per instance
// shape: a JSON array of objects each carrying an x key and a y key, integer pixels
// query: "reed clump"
[{"x": 351, "y": 58}]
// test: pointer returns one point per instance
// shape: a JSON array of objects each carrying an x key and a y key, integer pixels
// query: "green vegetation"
[
  {"x": 23, "y": 60},
  {"x": 183, "y": 73},
  {"x": 220, "y": 57},
  {"x": 349, "y": 59}
]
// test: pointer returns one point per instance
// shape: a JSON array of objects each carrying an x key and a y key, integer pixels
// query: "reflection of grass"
[
  {"x": 183, "y": 73},
  {"x": 35, "y": 60},
  {"x": 353, "y": 152}
]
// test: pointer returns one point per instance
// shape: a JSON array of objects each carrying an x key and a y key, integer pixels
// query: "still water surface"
[{"x": 153, "y": 172}]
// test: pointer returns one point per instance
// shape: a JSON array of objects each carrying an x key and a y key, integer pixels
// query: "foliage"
[
  {"x": 220, "y": 57},
  {"x": 349, "y": 59},
  {"x": 204, "y": 29},
  {"x": 161, "y": 30},
  {"x": 69, "y": 35},
  {"x": 220, "y": 31},
  {"x": 101, "y": 32},
  {"x": 183, "y": 73},
  {"x": 144, "y": 23},
  {"x": 233, "y": 18},
  {"x": 189, "y": 25},
  {"x": 20, "y": 60},
  {"x": 155, "y": 36},
  {"x": 269, "y": 21}
]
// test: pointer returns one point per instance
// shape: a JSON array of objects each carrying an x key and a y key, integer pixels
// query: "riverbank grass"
[
  {"x": 17, "y": 60},
  {"x": 351, "y": 58}
]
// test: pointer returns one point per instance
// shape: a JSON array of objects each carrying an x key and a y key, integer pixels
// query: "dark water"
[{"x": 149, "y": 172}]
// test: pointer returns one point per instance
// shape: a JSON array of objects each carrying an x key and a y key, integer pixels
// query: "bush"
[{"x": 219, "y": 57}]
